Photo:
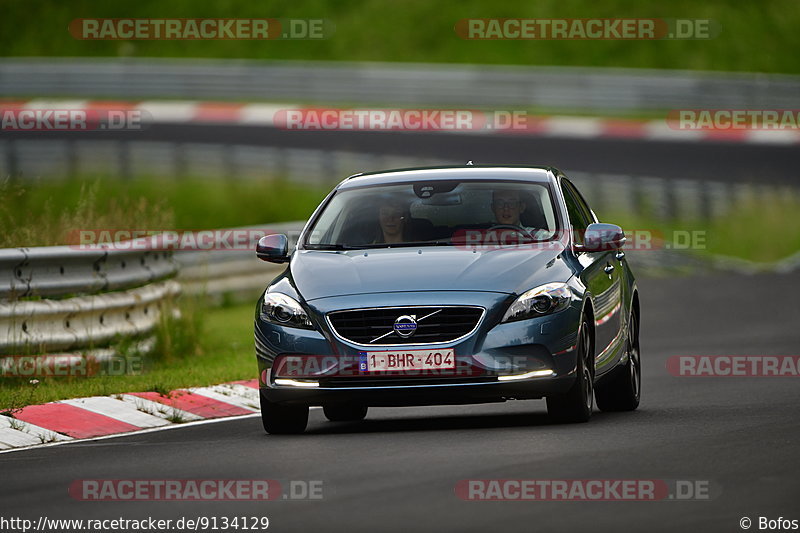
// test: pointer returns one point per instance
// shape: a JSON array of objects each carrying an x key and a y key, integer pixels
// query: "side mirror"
[
  {"x": 600, "y": 237},
  {"x": 273, "y": 248}
]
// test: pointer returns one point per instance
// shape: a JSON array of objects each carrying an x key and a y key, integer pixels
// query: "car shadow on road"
[{"x": 453, "y": 422}]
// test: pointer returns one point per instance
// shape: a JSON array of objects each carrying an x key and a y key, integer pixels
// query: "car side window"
[
  {"x": 581, "y": 201},
  {"x": 578, "y": 215}
]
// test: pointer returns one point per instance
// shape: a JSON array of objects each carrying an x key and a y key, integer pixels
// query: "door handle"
[
  {"x": 608, "y": 269},
  {"x": 619, "y": 255}
]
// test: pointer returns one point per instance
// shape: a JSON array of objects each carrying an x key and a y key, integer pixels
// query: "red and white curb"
[
  {"x": 264, "y": 114},
  {"x": 101, "y": 416}
]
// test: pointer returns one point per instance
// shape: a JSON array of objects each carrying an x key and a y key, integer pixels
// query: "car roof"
[{"x": 461, "y": 172}]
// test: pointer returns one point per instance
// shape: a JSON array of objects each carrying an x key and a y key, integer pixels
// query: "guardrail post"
[
  {"x": 12, "y": 161},
  {"x": 637, "y": 197},
  {"x": 706, "y": 212},
  {"x": 124, "y": 160},
  {"x": 179, "y": 159},
  {"x": 670, "y": 200},
  {"x": 597, "y": 192},
  {"x": 72, "y": 159},
  {"x": 281, "y": 163},
  {"x": 229, "y": 162}
]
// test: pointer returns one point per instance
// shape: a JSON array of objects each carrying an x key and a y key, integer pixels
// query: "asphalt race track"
[
  {"x": 397, "y": 470},
  {"x": 721, "y": 161}
]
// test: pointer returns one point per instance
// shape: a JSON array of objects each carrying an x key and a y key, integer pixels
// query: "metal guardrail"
[
  {"x": 47, "y": 326},
  {"x": 237, "y": 275},
  {"x": 53, "y": 271},
  {"x": 573, "y": 88},
  {"x": 56, "y": 298},
  {"x": 67, "y": 298}
]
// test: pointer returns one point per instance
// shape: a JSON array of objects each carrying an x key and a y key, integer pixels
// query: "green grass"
[
  {"x": 755, "y": 36},
  {"x": 49, "y": 212},
  {"x": 763, "y": 227},
  {"x": 760, "y": 227},
  {"x": 221, "y": 352}
]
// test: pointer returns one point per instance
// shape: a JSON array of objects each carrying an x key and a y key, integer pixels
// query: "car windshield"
[{"x": 431, "y": 213}]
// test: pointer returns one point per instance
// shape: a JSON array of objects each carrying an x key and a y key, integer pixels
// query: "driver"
[{"x": 507, "y": 207}]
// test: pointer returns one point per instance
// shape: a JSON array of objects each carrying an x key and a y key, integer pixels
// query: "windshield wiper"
[
  {"x": 336, "y": 246},
  {"x": 411, "y": 244}
]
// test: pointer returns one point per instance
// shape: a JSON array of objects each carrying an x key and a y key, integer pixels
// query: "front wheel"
[
  {"x": 622, "y": 391},
  {"x": 576, "y": 404},
  {"x": 283, "y": 419}
]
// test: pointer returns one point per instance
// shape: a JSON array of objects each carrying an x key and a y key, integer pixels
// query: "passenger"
[{"x": 392, "y": 218}]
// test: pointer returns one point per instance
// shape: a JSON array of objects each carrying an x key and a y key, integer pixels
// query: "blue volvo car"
[{"x": 448, "y": 285}]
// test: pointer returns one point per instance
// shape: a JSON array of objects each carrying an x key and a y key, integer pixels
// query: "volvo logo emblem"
[{"x": 405, "y": 325}]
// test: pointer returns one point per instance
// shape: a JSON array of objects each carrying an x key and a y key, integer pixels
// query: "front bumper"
[
  {"x": 496, "y": 352},
  {"x": 458, "y": 392}
]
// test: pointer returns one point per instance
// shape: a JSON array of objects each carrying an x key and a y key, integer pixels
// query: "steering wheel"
[{"x": 514, "y": 227}]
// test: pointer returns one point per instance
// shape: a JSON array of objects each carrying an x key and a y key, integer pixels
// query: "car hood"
[{"x": 322, "y": 274}]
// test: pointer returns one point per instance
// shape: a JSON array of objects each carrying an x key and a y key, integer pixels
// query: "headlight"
[
  {"x": 284, "y": 310},
  {"x": 540, "y": 301}
]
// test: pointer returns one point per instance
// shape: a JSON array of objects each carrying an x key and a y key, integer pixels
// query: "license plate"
[{"x": 404, "y": 360}]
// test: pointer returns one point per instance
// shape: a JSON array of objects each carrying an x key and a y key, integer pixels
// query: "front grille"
[{"x": 363, "y": 326}]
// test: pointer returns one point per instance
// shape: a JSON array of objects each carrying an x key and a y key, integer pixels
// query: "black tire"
[
  {"x": 575, "y": 405},
  {"x": 623, "y": 390},
  {"x": 283, "y": 419},
  {"x": 345, "y": 413}
]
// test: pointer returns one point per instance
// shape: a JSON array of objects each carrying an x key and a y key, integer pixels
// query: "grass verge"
[
  {"x": 755, "y": 36},
  {"x": 203, "y": 347},
  {"x": 48, "y": 212},
  {"x": 761, "y": 227}
]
